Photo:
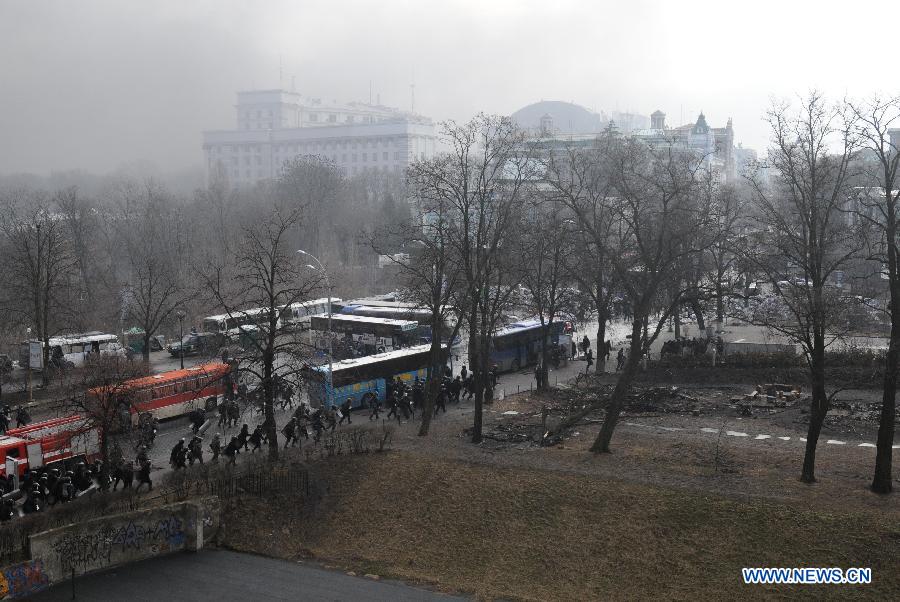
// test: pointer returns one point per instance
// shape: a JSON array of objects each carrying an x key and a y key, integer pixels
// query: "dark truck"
[{"x": 199, "y": 343}]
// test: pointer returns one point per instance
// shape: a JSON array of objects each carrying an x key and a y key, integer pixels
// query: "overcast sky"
[{"x": 95, "y": 84}]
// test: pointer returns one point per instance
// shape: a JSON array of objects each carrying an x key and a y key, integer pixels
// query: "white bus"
[
  {"x": 299, "y": 314},
  {"x": 234, "y": 324},
  {"x": 75, "y": 349},
  {"x": 246, "y": 321}
]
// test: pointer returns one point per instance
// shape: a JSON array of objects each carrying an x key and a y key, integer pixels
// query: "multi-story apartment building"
[{"x": 274, "y": 126}]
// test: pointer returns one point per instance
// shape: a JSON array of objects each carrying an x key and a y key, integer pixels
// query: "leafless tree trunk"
[
  {"x": 807, "y": 238},
  {"x": 879, "y": 211}
]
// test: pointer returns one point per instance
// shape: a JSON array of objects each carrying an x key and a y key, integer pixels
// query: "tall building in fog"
[{"x": 274, "y": 126}]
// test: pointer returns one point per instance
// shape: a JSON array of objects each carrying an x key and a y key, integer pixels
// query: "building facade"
[
  {"x": 715, "y": 145},
  {"x": 275, "y": 126}
]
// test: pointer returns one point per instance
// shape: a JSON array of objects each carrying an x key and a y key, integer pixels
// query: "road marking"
[
  {"x": 785, "y": 438},
  {"x": 803, "y": 439},
  {"x": 671, "y": 428},
  {"x": 736, "y": 434},
  {"x": 835, "y": 442},
  {"x": 706, "y": 429},
  {"x": 511, "y": 413},
  {"x": 761, "y": 437},
  {"x": 866, "y": 445}
]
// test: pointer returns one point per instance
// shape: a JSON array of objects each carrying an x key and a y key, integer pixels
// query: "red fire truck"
[
  {"x": 49, "y": 441},
  {"x": 166, "y": 395}
]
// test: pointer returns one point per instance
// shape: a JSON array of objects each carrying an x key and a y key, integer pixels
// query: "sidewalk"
[{"x": 223, "y": 575}]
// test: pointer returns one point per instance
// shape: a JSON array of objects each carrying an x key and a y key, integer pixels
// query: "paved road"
[{"x": 220, "y": 575}]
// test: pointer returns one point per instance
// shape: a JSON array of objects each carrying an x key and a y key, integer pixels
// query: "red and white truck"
[{"x": 48, "y": 441}]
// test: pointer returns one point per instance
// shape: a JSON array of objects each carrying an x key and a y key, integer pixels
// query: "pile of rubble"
[
  {"x": 770, "y": 397},
  {"x": 861, "y": 412},
  {"x": 667, "y": 400}
]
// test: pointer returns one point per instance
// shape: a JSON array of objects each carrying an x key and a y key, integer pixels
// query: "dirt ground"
[{"x": 674, "y": 511}]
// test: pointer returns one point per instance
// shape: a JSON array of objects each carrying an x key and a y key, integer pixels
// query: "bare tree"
[
  {"x": 479, "y": 182},
  {"x": 878, "y": 209},
  {"x": 103, "y": 396},
  {"x": 264, "y": 273},
  {"x": 155, "y": 245},
  {"x": 428, "y": 277},
  {"x": 543, "y": 245},
  {"x": 579, "y": 177},
  {"x": 659, "y": 219},
  {"x": 807, "y": 237},
  {"x": 38, "y": 266}
]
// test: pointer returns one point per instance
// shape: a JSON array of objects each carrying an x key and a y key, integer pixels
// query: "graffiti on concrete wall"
[
  {"x": 22, "y": 580},
  {"x": 90, "y": 550}
]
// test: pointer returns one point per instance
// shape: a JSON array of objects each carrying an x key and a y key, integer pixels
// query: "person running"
[
  {"x": 243, "y": 437},
  {"x": 345, "y": 411},
  {"x": 290, "y": 432},
  {"x": 376, "y": 408},
  {"x": 256, "y": 438},
  {"x": 215, "y": 446},
  {"x": 143, "y": 474},
  {"x": 231, "y": 450}
]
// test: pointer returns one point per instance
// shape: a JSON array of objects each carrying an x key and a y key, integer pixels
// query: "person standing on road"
[
  {"x": 463, "y": 373},
  {"x": 620, "y": 359},
  {"x": 589, "y": 357},
  {"x": 585, "y": 344}
]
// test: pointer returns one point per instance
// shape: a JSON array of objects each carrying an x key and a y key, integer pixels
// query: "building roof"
[{"x": 568, "y": 118}]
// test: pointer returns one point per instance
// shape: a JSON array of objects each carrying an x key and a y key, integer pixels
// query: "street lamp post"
[
  {"x": 320, "y": 268},
  {"x": 180, "y": 315}
]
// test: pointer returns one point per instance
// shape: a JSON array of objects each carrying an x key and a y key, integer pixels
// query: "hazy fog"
[{"x": 95, "y": 84}]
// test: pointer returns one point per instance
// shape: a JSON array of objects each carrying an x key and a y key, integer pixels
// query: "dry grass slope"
[{"x": 540, "y": 535}]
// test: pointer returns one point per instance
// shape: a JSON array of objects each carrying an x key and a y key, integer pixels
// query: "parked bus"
[
  {"x": 365, "y": 378},
  {"x": 298, "y": 315},
  {"x": 519, "y": 344},
  {"x": 361, "y": 335},
  {"x": 396, "y": 311},
  {"x": 235, "y": 324},
  {"x": 72, "y": 350},
  {"x": 173, "y": 393}
]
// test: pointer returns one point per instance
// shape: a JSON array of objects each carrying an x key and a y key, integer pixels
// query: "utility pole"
[{"x": 320, "y": 268}]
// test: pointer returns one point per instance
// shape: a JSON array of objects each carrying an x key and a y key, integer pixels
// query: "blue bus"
[
  {"x": 366, "y": 377},
  {"x": 519, "y": 344}
]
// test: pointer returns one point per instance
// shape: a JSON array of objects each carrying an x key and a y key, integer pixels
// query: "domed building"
[{"x": 558, "y": 118}]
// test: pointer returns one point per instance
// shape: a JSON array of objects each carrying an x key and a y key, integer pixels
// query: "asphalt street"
[{"x": 222, "y": 576}]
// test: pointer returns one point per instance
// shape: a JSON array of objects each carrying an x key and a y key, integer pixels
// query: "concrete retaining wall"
[
  {"x": 110, "y": 541},
  {"x": 119, "y": 539}
]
